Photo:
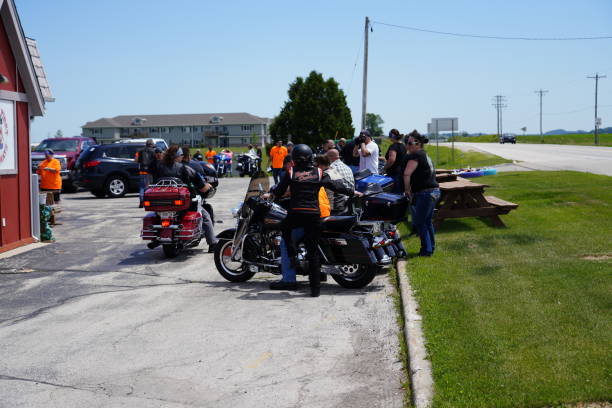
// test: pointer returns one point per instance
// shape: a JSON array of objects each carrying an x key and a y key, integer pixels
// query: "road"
[
  {"x": 592, "y": 159},
  {"x": 98, "y": 320}
]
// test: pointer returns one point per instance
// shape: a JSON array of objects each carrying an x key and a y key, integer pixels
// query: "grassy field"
[
  {"x": 458, "y": 159},
  {"x": 521, "y": 316},
  {"x": 571, "y": 139}
]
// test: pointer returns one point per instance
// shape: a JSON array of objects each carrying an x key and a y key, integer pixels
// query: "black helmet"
[{"x": 301, "y": 154}]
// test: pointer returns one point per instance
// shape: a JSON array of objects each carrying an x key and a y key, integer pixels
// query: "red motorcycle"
[{"x": 175, "y": 217}]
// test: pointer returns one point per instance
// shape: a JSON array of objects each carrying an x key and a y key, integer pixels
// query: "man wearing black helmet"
[{"x": 305, "y": 181}]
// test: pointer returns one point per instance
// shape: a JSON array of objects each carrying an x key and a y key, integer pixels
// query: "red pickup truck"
[{"x": 67, "y": 151}]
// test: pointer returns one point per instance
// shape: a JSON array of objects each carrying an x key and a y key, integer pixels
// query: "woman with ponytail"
[{"x": 420, "y": 185}]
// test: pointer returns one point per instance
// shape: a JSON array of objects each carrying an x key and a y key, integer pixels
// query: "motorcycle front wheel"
[
  {"x": 231, "y": 270},
  {"x": 355, "y": 276}
]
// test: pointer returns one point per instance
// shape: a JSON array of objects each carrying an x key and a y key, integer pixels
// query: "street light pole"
[{"x": 541, "y": 92}]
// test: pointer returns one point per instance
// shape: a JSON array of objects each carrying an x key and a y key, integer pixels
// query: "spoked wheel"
[
  {"x": 231, "y": 270},
  {"x": 355, "y": 276},
  {"x": 171, "y": 250}
]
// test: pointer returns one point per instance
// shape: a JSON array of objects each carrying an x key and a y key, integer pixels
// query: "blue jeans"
[
  {"x": 145, "y": 180},
  {"x": 288, "y": 272},
  {"x": 276, "y": 174},
  {"x": 424, "y": 205}
]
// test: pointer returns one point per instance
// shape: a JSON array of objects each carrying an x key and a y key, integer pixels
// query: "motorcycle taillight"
[{"x": 166, "y": 223}]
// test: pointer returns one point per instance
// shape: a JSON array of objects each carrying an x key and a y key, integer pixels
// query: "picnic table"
[{"x": 463, "y": 198}]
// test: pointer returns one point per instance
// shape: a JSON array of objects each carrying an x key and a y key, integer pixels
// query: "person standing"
[
  {"x": 421, "y": 187},
  {"x": 277, "y": 156},
  {"x": 198, "y": 156},
  {"x": 50, "y": 177},
  {"x": 394, "y": 158},
  {"x": 145, "y": 158},
  {"x": 339, "y": 201},
  {"x": 305, "y": 182},
  {"x": 346, "y": 154},
  {"x": 367, "y": 151},
  {"x": 210, "y": 155}
]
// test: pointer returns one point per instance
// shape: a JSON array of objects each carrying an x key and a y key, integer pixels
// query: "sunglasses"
[{"x": 412, "y": 143}]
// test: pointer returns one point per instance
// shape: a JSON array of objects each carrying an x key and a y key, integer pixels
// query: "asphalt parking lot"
[{"x": 97, "y": 320}]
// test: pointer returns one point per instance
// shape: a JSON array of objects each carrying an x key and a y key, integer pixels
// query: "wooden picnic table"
[{"x": 463, "y": 198}]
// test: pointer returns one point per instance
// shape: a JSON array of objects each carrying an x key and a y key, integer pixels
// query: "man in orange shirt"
[
  {"x": 277, "y": 156},
  {"x": 50, "y": 177},
  {"x": 210, "y": 155}
]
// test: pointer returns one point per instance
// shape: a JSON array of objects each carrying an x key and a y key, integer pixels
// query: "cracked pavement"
[{"x": 98, "y": 320}]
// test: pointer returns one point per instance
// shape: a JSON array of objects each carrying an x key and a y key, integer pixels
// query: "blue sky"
[{"x": 151, "y": 57}]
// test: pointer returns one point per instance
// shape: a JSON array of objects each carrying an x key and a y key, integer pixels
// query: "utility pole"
[
  {"x": 541, "y": 92},
  {"x": 596, "y": 78},
  {"x": 499, "y": 102},
  {"x": 364, "y": 97}
]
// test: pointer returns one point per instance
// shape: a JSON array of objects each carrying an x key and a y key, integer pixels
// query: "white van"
[{"x": 160, "y": 143}]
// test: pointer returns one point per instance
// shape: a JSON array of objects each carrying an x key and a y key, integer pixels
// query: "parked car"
[
  {"x": 507, "y": 138},
  {"x": 67, "y": 151},
  {"x": 160, "y": 143},
  {"x": 108, "y": 170}
]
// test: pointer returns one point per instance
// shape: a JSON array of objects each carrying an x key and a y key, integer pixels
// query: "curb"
[{"x": 421, "y": 379}]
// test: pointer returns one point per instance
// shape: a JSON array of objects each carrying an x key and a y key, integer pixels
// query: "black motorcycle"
[
  {"x": 254, "y": 246},
  {"x": 247, "y": 164},
  {"x": 349, "y": 246}
]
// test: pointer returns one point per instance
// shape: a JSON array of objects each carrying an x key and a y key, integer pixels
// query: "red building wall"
[{"x": 15, "y": 188}]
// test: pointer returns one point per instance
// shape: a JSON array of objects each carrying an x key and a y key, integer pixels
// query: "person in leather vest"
[{"x": 305, "y": 182}]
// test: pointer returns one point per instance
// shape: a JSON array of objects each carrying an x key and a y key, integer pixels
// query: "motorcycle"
[
  {"x": 223, "y": 164},
  {"x": 174, "y": 220},
  {"x": 248, "y": 164},
  {"x": 346, "y": 244}
]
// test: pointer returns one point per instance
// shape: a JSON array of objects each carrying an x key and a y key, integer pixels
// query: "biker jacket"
[
  {"x": 305, "y": 183},
  {"x": 181, "y": 171}
]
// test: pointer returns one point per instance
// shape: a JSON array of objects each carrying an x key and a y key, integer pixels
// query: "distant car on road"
[
  {"x": 507, "y": 138},
  {"x": 67, "y": 151},
  {"x": 108, "y": 170}
]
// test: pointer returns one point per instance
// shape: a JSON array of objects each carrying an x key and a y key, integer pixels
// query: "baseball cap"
[
  {"x": 365, "y": 132},
  {"x": 50, "y": 152}
]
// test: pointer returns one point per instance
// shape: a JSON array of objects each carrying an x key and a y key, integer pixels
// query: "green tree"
[
  {"x": 59, "y": 133},
  {"x": 316, "y": 110},
  {"x": 374, "y": 124}
]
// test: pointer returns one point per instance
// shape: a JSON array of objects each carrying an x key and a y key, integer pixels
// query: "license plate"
[{"x": 166, "y": 215}]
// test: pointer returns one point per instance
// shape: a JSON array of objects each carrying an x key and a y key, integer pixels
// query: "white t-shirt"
[{"x": 369, "y": 162}]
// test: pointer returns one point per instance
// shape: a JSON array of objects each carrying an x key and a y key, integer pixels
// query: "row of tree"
[{"x": 317, "y": 110}]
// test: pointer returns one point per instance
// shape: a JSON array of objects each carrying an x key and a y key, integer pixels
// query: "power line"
[{"x": 492, "y": 37}]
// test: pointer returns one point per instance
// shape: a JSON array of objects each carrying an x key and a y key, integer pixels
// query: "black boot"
[
  {"x": 281, "y": 285},
  {"x": 315, "y": 283},
  {"x": 323, "y": 277}
]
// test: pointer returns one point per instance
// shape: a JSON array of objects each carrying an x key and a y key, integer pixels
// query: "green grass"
[
  {"x": 518, "y": 317},
  {"x": 571, "y": 139},
  {"x": 446, "y": 159}
]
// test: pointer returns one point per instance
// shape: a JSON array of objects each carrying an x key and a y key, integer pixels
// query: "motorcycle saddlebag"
[
  {"x": 167, "y": 199},
  {"x": 386, "y": 183},
  {"x": 191, "y": 223},
  {"x": 385, "y": 207},
  {"x": 147, "y": 226}
]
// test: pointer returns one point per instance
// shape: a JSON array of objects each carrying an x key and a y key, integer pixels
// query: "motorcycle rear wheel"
[
  {"x": 170, "y": 250},
  {"x": 230, "y": 270},
  {"x": 356, "y": 276}
]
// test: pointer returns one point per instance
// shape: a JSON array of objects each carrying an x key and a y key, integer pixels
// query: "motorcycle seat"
[{"x": 338, "y": 223}]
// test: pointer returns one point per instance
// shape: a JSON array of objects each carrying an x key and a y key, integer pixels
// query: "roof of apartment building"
[{"x": 191, "y": 119}]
